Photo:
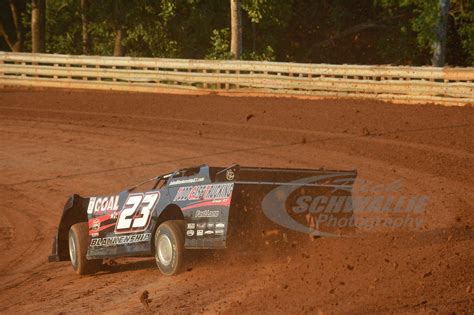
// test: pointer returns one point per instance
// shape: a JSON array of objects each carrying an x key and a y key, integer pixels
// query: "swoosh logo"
[{"x": 273, "y": 204}]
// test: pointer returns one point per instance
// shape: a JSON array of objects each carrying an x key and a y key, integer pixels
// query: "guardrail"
[{"x": 450, "y": 86}]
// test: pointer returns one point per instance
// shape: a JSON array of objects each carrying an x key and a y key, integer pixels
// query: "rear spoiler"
[
  {"x": 293, "y": 176},
  {"x": 291, "y": 198},
  {"x": 247, "y": 175}
]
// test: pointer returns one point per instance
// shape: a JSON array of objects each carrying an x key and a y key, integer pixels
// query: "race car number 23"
[{"x": 136, "y": 212}]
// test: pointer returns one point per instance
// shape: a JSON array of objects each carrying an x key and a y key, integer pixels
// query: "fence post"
[
  {"x": 68, "y": 67},
  {"x": 84, "y": 78},
  {"x": 99, "y": 78},
  {"x": 1, "y": 72},
  {"x": 23, "y": 64},
  {"x": 227, "y": 86}
]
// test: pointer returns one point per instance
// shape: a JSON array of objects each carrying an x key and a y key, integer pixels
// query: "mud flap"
[{"x": 73, "y": 212}]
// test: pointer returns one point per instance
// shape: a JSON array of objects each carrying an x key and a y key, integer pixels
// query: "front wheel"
[
  {"x": 169, "y": 247},
  {"x": 78, "y": 243}
]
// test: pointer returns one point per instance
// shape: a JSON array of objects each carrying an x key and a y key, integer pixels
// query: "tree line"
[{"x": 408, "y": 32}]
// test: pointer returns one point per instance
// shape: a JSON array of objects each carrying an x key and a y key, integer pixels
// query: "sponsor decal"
[
  {"x": 120, "y": 240},
  {"x": 186, "y": 181},
  {"x": 220, "y": 225},
  {"x": 209, "y": 232},
  {"x": 199, "y": 232},
  {"x": 229, "y": 175},
  {"x": 190, "y": 232},
  {"x": 99, "y": 224},
  {"x": 95, "y": 224},
  {"x": 98, "y": 205},
  {"x": 219, "y": 232},
  {"x": 191, "y": 225},
  {"x": 135, "y": 215},
  {"x": 201, "y": 225},
  {"x": 204, "y": 192},
  {"x": 210, "y": 225},
  {"x": 206, "y": 213},
  {"x": 90, "y": 207}
]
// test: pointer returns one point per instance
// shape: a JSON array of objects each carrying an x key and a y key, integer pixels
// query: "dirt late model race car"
[{"x": 192, "y": 208}]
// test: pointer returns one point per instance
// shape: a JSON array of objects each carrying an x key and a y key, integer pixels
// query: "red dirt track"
[{"x": 55, "y": 143}]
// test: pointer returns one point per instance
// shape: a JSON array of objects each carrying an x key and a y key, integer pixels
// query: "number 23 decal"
[{"x": 136, "y": 212}]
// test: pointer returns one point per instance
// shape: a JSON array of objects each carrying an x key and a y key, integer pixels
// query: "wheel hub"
[
  {"x": 165, "y": 250},
  {"x": 72, "y": 250}
]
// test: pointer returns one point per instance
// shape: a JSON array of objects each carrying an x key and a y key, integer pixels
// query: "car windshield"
[
  {"x": 187, "y": 172},
  {"x": 150, "y": 184}
]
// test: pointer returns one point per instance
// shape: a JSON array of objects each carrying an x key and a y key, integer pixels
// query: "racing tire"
[
  {"x": 169, "y": 247},
  {"x": 78, "y": 243}
]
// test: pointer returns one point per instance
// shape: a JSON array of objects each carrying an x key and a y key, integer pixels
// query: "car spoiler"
[{"x": 290, "y": 199}]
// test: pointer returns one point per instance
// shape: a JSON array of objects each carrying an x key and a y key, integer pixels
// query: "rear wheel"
[
  {"x": 78, "y": 243},
  {"x": 169, "y": 247}
]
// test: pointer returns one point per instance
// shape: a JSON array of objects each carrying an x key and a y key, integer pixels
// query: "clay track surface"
[{"x": 54, "y": 143}]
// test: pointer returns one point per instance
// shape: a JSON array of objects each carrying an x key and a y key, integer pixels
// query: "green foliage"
[
  {"x": 254, "y": 9},
  {"x": 401, "y": 48},
  {"x": 425, "y": 22},
  {"x": 268, "y": 54},
  {"x": 61, "y": 39},
  {"x": 148, "y": 35},
  {"x": 220, "y": 49},
  {"x": 463, "y": 13},
  {"x": 337, "y": 31},
  {"x": 265, "y": 24},
  {"x": 423, "y": 19}
]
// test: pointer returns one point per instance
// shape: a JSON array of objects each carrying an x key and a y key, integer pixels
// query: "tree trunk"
[
  {"x": 118, "y": 19},
  {"x": 254, "y": 37},
  {"x": 86, "y": 40},
  {"x": 18, "y": 45},
  {"x": 38, "y": 10},
  {"x": 236, "y": 29},
  {"x": 119, "y": 50},
  {"x": 16, "y": 10},
  {"x": 439, "y": 44}
]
